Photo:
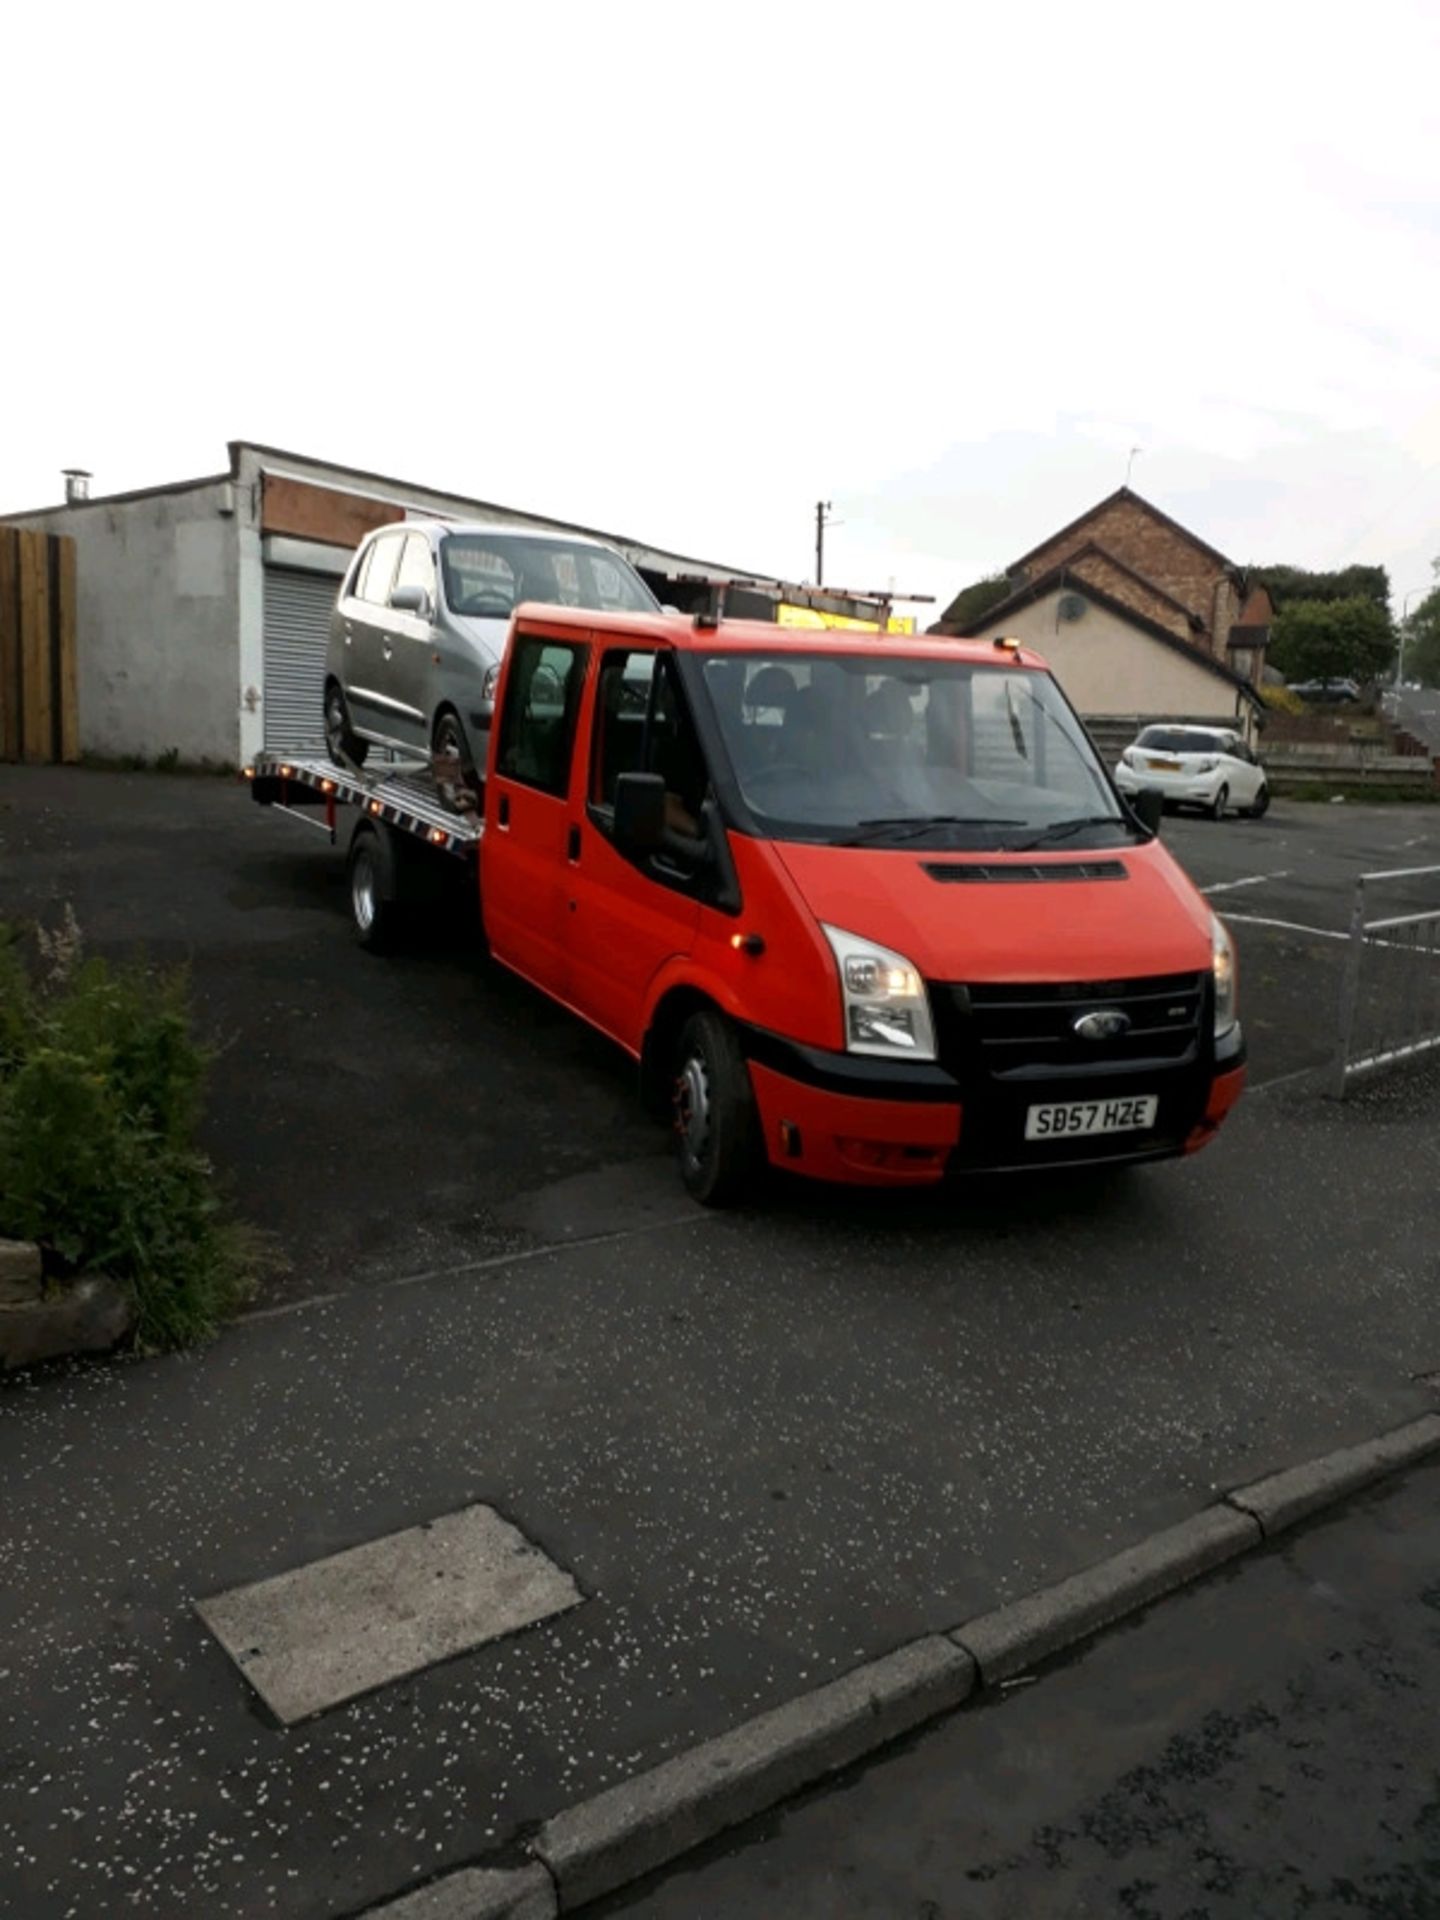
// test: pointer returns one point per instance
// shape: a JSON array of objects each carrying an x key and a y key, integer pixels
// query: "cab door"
[
  {"x": 625, "y": 915},
  {"x": 527, "y": 806}
]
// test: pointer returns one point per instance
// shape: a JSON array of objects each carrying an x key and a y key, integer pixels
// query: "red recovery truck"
[{"x": 868, "y": 908}]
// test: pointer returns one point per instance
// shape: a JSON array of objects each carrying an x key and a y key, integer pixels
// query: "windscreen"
[
  {"x": 877, "y": 748},
  {"x": 1182, "y": 740},
  {"x": 487, "y": 575}
]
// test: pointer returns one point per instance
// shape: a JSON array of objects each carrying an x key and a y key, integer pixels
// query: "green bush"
[{"x": 100, "y": 1090}]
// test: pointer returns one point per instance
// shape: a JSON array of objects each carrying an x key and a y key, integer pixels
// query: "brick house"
[{"x": 1138, "y": 616}]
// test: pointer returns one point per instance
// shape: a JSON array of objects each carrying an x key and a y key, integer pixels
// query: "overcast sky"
[{"x": 680, "y": 271}]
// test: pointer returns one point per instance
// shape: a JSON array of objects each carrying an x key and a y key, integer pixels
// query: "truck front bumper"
[{"x": 863, "y": 1122}]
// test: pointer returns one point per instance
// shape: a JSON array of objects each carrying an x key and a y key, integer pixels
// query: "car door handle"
[
  {"x": 504, "y": 810},
  {"x": 572, "y": 844}
]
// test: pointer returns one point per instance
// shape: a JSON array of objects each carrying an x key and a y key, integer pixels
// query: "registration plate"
[
  {"x": 1072, "y": 1119},
  {"x": 1163, "y": 766}
]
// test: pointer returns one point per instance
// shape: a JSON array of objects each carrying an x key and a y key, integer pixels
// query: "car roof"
[
  {"x": 516, "y": 531},
  {"x": 683, "y": 632},
  {"x": 1188, "y": 726}
]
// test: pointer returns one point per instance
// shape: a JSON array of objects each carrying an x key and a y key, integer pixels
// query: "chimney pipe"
[{"x": 77, "y": 485}]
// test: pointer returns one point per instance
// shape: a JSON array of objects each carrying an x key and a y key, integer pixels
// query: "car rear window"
[{"x": 1183, "y": 740}]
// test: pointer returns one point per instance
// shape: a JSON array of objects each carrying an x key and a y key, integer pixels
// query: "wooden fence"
[{"x": 39, "y": 714}]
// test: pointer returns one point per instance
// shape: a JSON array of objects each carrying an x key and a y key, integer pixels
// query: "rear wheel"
[
  {"x": 717, "y": 1132},
  {"x": 1262, "y": 803},
  {"x": 374, "y": 911},
  {"x": 1219, "y": 803},
  {"x": 342, "y": 743}
]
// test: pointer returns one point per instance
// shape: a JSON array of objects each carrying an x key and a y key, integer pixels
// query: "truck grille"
[{"x": 1029, "y": 1031}]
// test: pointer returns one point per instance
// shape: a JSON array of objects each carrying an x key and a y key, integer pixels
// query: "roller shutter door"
[{"x": 297, "y": 624}]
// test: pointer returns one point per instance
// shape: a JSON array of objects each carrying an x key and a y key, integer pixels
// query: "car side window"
[
  {"x": 542, "y": 703},
  {"x": 416, "y": 568},
  {"x": 378, "y": 573}
]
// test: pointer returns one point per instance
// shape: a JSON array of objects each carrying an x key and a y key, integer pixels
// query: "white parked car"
[{"x": 1207, "y": 767}]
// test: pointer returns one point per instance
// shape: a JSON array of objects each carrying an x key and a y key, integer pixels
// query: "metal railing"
[{"x": 1390, "y": 991}]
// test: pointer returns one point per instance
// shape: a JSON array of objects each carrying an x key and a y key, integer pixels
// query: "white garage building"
[{"x": 202, "y": 606}]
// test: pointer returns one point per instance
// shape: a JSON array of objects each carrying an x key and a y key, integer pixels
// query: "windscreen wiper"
[
  {"x": 907, "y": 826},
  {"x": 1059, "y": 829}
]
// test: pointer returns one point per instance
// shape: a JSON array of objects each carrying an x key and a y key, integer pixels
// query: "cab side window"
[
  {"x": 644, "y": 726},
  {"x": 542, "y": 703},
  {"x": 622, "y": 704}
]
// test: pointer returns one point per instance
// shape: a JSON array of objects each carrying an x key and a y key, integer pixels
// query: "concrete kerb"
[
  {"x": 627, "y": 1831},
  {"x": 1019, "y": 1636},
  {"x": 479, "y": 1893},
  {"x": 1281, "y": 1500}
]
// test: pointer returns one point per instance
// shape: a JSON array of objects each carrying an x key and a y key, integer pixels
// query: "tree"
[
  {"x": 1289, "y": 584},
  {"x": 972, "y": 603},
  {"x": 1332, "y": 639},
  {"x": 1422, "y": 637}
]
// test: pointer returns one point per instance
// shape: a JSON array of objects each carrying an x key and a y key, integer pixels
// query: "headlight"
[
  {"x": 489, "y": 684},
  {"x": 1206, "y": 766},
  {"x": 883, "y": 998},
  {"x": 1222, "y": 961}
]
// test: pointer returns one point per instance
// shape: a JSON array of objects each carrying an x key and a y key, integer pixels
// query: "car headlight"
[
  {"x": 1206, "y": 766},
  {"x": 883, "y": 999},
  {"x": 1222, "y": 963},
  {"x": 489, "y": 684}
]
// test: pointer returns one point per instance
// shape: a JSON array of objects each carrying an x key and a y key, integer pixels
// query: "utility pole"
[{"x": 822, "y": 516}]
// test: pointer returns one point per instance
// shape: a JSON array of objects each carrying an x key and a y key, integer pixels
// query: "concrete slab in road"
[{"x": 342, "y": 1626}]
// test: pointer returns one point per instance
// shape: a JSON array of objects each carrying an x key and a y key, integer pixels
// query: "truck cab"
[{"x": 867, "y": 908}]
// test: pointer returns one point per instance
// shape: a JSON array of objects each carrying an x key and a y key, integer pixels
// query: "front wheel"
[
  {"x": 1219, "y": 803},
  {"x": 342, "y": 743},
  {"x": 717, "y": 1133},
  {"x": 450, "y": 738}
]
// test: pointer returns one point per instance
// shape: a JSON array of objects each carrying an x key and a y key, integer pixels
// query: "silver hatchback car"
[{"x": 420, "y": 624}]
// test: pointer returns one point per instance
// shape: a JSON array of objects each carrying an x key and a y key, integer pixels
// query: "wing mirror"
[
  {"x": 1148, "y": 807},
  {"x": 410, "y": 600},
  {"x": 639, "y": 812}
]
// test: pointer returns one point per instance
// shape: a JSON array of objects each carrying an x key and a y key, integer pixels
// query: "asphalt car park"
[{"x": 766, "y": 1445}]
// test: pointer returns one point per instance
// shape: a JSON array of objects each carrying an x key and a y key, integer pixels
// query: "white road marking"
[
  {"x": 1289, "y": 926},
  {"x": 1250, "y": 880},
  {"x": 308, "y": 1639}
]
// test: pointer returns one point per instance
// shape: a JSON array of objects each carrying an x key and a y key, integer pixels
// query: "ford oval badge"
[{"x": 1106, "y": 1023}]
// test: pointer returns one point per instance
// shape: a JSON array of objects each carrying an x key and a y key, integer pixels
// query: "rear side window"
[
  {"x": 542, "y": 702},
  {"x": 377, "y": 571}
]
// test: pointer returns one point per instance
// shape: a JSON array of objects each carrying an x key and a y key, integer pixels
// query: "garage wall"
[
  {"x": 155, "y": 621},
  {"x": 1107, "y": 666}
]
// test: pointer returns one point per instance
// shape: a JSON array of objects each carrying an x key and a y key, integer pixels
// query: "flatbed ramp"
[{"x": 410, "y": 797}]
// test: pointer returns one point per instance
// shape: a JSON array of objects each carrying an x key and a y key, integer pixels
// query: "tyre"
[
  {"x": 450, "y": 737},
  {"x": 717, "y": 1131},
  {"x": 374, "y": 910},
  {"x": 1219, "y": 803},
  {"x": 343, "y": 745},
  {"x": 1262, "y": 803}
]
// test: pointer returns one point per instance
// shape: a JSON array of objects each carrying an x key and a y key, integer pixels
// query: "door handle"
[
  {"x": 572, "y": 845},
  {"x": 504, "y": 813}
]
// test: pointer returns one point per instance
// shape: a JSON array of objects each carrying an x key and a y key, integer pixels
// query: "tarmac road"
[{"x": 766, "y": 1445}]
